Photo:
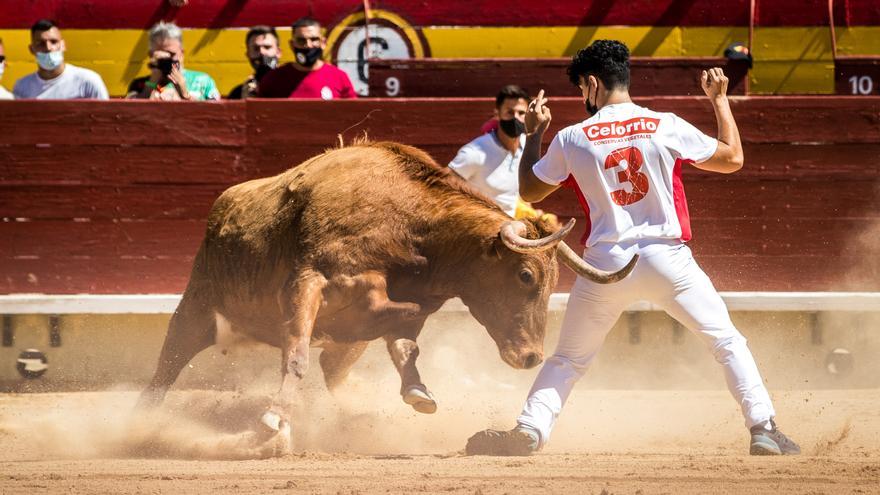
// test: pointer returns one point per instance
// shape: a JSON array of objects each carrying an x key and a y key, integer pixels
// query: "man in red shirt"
[{"x": 308, "y": 76}]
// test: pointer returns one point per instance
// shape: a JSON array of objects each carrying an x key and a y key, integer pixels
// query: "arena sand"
[{"x": 686, "y": 439}]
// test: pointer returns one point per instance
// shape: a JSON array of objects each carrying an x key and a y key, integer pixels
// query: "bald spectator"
[
  {"x": 55, "y": 79},
  {"x": 168, "y": 79},
  {"x": 4, "y": 93},
  {"x": 308, "y": 76}
]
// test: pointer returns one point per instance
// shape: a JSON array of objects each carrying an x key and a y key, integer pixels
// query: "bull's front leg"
[
  {"x": 404, "y": 352},
  {"x": 303, "y": 300}
]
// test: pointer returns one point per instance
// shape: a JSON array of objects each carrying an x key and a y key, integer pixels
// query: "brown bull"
[{"x": 356, "y": 244}]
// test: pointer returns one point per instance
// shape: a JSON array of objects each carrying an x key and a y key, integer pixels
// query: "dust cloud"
[{"x": 660, "y": 393}]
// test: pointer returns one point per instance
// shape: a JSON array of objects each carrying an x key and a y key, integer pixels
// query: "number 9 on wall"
[{"x": 392, "y": 86}]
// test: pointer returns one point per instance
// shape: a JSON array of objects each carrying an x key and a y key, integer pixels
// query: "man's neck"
[
  {"x": 509, "y": 143},
  {"x": 48, "y": 75},
  {"x": 317, "y": 65},
  {"x": 618, "y": 96}
]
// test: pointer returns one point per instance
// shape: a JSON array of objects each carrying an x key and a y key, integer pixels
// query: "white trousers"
[{"x": 668, "y": 276}]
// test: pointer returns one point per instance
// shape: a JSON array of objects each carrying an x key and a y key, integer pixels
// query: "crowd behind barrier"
[{"x": 308, "y": 76}]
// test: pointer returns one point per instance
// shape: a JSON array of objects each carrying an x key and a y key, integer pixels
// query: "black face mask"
[
  {"x": 308, "y": 56},
  {"x": 263, "y": 66},
  {"x": 264, "y": 61},
  {"x": 512, "y": 127},
  {"x": 592, "y": 109}
]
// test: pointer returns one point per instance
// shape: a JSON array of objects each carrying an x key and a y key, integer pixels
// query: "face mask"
[
  {"x": 2, "y": 69},
  {"x": 50, "y": 60},
  {"x": 308, "y": 56},
  {"x": 592, "y": 109},
  {"x": 264, "y": 61},
  {"x": 263, "y": 65},
  {"x": 512, "y": 127}
]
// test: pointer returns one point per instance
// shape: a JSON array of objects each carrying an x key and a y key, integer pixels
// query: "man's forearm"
[
  {"x": 727, "y": 130},
  {"x": 531, "y": 188},
  {"x": 531, "y": 155}
]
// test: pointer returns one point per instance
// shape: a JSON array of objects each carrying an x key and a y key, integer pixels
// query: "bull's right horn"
[
  {"x": 567, "y": 256},
  {"x": 512, "y": 231}
]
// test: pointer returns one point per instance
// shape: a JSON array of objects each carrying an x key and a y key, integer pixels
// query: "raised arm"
[
  {"x": 728, "y": 158},
  {"x": 531, "y": 188}
]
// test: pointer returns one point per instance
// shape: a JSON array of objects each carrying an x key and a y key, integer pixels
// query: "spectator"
[
  {"x": 263, "y": 52},
  {"x": 4, "y": 93},
  {"x": 308, "y": 76},
  {"x": 491, "y": 161},
  {"x": 168, "y": 79},
  {"x": 55, "y": 79}
]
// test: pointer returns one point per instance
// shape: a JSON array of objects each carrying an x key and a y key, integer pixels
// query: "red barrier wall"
[
  {"x": 111, "y": 197},
  {"x": 140, "y": 14}
]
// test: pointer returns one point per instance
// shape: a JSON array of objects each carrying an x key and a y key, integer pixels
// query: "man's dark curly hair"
[{"x": 608, "y": 60}]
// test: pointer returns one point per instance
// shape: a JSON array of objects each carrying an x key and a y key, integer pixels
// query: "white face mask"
[{"x": 50, "y": 60}]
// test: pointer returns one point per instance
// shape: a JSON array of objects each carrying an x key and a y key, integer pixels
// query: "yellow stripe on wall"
[
  {"x": 787, "y": 59},
  {"x": 541, "y": 42},
  {"x": 858, "y": 40}
]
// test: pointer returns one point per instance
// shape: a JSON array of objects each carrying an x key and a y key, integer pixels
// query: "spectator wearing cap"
[
  {"x": 168, "y": 79},
  {"x": 263, "y": 52},
  {"x": 308, "y": 76},
  {"x": 56, "y": 79}
]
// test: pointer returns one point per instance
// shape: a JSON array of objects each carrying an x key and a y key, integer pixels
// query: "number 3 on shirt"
[{"x": 633, "y": 158}]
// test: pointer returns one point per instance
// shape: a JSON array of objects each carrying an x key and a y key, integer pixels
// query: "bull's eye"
[{"x": 526, "y": 277}]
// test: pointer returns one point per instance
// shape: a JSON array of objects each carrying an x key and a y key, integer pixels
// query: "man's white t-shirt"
[
  {"x": 626, "y": 164},
  {"x": 492, "y": 168},
  {"x": 74, "y": 83}
]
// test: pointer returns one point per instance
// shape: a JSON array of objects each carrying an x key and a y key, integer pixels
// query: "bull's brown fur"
[{"x": 378, "y": 235}]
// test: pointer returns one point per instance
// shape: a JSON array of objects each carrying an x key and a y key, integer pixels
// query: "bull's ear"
[{"x": 493, "y": 248}]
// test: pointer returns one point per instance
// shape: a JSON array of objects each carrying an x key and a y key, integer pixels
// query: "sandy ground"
[
  {"x": 606, "y": 442},
  {"x": 649, "y": 418}
]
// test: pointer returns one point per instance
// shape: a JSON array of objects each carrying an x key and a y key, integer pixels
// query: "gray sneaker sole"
[
  {"x": 499, "y": 443},
  {"x": 764, "y": 447}
]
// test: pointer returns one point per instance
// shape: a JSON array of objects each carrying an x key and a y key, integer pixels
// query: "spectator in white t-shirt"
[
  {"x": 491, "y": 161},
  {"x": 55, "y": 79},
  {"x": 4, "y": 93}
]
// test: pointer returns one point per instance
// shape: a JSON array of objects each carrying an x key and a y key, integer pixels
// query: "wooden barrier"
[
  {"x": 484, "y": 77},
  {"x": 110, "y": 198}
]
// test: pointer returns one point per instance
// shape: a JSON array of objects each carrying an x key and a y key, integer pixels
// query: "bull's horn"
[
  {"x": 511, "y": 235},
  {"x": 584, "y": 269}
]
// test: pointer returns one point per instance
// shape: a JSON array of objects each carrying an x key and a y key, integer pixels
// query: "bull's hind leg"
[
  {"x": 191, "y": 330},
  {"x": 304, "y": 300},
  {"x": 337, "y": 359},
  {"x": 404, "y": 351}
]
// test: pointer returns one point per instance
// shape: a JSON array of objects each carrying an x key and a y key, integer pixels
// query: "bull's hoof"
[
  {"x": 420, "y": 399},
  {"x": 274, "y": 435}
]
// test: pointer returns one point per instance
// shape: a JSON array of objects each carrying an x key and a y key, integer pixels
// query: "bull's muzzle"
[{"x": 531, "y": 360}]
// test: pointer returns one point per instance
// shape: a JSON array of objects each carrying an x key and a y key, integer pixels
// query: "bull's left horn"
[
  {"x": 511, "y": 235},
  {"x": 590, "y": 272}
]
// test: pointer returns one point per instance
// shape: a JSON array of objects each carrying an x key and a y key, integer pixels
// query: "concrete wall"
[{"x": 104, "y": 351}]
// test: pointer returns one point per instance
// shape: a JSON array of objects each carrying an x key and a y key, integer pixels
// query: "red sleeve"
[
  {"x": 489, "y": 126},
  {"x": 346, "y": 90}
]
